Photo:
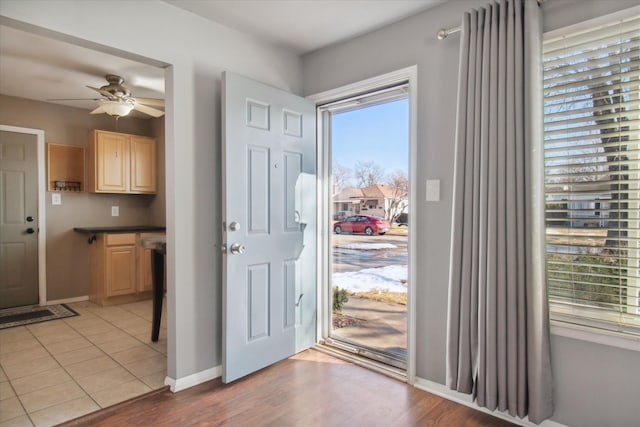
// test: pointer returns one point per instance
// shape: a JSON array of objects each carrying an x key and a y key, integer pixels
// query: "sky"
[{"x": 379, "y": 133}]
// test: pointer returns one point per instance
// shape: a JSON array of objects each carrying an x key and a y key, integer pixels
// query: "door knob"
[
  {"x": 29, "y": 218},
  {"x": 237, "y": 248},
  {"x": 30, "y": 230}
]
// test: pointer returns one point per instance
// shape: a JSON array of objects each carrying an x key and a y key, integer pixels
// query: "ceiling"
[
  {"x": 40, "y": 68},
  {"x": 302, "y": 26}
]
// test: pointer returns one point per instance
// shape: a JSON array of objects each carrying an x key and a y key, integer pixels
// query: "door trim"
[
  {"x": 42, "y": 188},
  {"x": 410, "y": 75}
]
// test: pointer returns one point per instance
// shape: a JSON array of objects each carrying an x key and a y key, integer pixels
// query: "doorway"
[{"x": 366, "y": 140}]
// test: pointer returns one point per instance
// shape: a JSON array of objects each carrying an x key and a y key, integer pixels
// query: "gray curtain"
[{"x": 498, "y": 323}]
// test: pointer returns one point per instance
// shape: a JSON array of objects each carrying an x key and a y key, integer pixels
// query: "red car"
[{"x": 367, "y": 224}]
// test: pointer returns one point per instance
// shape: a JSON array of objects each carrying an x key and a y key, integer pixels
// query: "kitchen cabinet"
[
  {"x": 120, "y": 264},
  {"x": 119, "y": 268},
  {"x": 122, "y": 163}
]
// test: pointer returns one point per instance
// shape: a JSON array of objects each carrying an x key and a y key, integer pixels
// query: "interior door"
[
  {"x": 18, "y": 219},
  {"x": 269, "y": 193}
]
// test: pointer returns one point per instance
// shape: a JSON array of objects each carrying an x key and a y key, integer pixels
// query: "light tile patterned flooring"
[{"x": 55, "y": 371}]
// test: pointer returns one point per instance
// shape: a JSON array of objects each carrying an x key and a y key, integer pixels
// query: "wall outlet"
[
  {"x": 56, "y": 198},
  {"x": 115, "y": 210}
]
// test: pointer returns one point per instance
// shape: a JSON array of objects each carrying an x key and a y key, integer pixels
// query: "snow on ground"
[
  {"x": 388, "y": 278},
  {"x": 368, "y": 246}
]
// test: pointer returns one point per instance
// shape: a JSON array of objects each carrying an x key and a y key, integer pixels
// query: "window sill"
[{"x": 595, "y": 335}]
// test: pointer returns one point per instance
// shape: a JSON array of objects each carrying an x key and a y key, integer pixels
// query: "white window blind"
[{"x": 592, "y": 181}]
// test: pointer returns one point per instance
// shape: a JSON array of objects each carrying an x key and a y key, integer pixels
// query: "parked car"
[{"x": 367, "y": 224}]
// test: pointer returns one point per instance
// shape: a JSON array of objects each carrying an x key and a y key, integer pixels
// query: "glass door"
[{"x": 368, "y": 166}]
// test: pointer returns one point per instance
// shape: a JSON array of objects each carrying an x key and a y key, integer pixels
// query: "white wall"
[
  {"x": 596, "y": 385},
  {"x": 198, "y": 51}
]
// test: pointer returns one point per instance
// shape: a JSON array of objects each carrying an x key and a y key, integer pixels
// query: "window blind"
[{"x": 592, "y": 175}]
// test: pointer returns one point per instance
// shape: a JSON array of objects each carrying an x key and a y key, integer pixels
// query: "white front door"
[
  {"x": 18, "y": 219},
  {"x": 269, "y": 196}
]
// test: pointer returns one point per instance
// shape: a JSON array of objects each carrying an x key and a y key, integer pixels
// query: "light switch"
[
  {"x": 433, "y": 190},
  {"x": 115, "y": 210},
  {"x": 56, "y": 198}
]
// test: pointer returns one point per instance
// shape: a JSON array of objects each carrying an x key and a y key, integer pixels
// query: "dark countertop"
[
  {"x": 92, "y": 231},
  {"x": 119, "y": 229}
]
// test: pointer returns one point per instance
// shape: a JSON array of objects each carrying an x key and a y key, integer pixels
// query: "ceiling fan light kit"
[{"x": 114, "y": 108}]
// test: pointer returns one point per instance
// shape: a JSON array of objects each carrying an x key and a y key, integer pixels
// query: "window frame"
[{"x": 568, "y": 324}]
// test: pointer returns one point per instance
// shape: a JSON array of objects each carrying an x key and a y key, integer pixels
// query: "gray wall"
[
  {"x": 67, "y": 251},
  {"x": 608, "y": 397},
  {"x": 198, "y": 51}
]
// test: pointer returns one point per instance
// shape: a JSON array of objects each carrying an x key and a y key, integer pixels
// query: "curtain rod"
[{"x": 445, "y": 32}]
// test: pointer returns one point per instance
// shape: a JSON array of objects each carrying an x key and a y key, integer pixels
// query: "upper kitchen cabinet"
[{"x": 122, "y": 163}]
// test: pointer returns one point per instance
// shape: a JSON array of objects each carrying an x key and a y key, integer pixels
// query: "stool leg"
[{"x": 158, "y": 291}]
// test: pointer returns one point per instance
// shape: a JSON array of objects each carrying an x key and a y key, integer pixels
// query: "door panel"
[
  {"x": 258, "y": 197},
  {"x": 18, "y": 235},
  {"x": 269, "y": 215},
  {"x": 258, "y": 298},
  {"x": 292, "y": 170}
]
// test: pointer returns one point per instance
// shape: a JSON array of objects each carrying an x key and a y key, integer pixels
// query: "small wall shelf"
[{"x": 65, "y": 167}]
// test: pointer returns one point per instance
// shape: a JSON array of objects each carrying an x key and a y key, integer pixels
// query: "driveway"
[{"x": 350, "y": 253}]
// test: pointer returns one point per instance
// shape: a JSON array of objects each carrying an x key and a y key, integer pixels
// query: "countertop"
[{"x": 92, "y": 231}]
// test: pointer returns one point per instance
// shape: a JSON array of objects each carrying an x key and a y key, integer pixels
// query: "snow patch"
[
  {"x": 368, "y": 246},
  {"x": 388, "y": 278}
]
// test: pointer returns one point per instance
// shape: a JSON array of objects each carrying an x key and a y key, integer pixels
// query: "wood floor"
[{"x": 310, "y": 389}]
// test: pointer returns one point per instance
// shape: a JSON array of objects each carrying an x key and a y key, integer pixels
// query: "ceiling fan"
[{"x": 117, "y": 100}]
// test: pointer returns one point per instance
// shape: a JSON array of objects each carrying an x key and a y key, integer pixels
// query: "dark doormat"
[{"x": 20, "y": 316}]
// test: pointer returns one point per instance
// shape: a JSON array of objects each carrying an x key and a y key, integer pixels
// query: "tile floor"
[{"x": 55, "y": 371}]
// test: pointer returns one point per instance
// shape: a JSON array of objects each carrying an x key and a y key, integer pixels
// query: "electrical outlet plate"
[
  {"x": 433, "y": 190},
  {"x": 56, "y": 198},
  {"x": 115, "y": 210}
]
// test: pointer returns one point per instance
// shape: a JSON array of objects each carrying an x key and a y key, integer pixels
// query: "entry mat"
[{"x": 20, "y": 316}]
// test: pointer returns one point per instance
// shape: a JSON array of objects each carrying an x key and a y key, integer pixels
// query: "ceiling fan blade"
[
  {"x": 74, "y": 99},
  {"x": 98, "y": 110},
  {"x": 148, "y": 110},
  {"x": 101, "y": 91},
  {"x": 156, "y": 102}
]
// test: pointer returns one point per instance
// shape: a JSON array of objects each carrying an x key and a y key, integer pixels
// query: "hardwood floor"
[{"x": 309, "y": 389}]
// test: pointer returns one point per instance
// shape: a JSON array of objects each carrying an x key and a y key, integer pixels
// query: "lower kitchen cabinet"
[{"x": 120, "y": 270}]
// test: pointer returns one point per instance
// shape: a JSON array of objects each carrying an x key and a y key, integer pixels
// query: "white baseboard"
[
  {"x": 465, "y": 399},
  {"x": 180, "y": 384},
  {"x": 67, "y": 300}
]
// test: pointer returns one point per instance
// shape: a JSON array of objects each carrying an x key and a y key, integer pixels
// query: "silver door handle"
[{"x": 237, "y": 248}]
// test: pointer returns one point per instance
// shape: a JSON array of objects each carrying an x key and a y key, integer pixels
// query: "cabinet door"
[
  {"x": 143, "y": 164},
  {"x": 120, "y": 270},
  {"x": 111, "y": 160}
]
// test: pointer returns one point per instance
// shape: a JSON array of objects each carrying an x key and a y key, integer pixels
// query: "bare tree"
[
  {"x": 398, "y": 182},
  {"x": 341, "y": 176},
  {"x": 368, "y": 173}
]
